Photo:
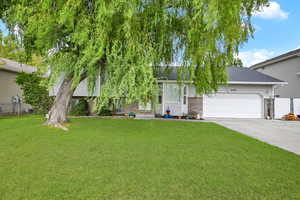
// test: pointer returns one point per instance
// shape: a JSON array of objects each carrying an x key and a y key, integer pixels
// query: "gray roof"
[
  {"x": 13, "y": 66},
  {"x": 235, "y": 74},
  {"x": 243, "y": 74},
  {"x": 279, "y": 58}
]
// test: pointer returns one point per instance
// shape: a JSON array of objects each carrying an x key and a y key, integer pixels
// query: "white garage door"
[{"x": 233, "y": 106}]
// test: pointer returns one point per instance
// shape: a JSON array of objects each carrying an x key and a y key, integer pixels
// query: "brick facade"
[{"x": 195, "y": 105}]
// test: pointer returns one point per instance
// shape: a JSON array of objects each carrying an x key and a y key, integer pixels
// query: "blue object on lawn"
[
  {"x": 131, "y": 114},
  {"x": 168, "y": 116}
]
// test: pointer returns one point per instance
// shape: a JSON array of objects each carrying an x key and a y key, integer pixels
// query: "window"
[
  {"x": 159, "y": 99},
  {"x": 160, "y": 93},
  {"x": 144, "y": 107},
  {"x": 184, "y": 95},
  {"x": 172, "y": 94}
]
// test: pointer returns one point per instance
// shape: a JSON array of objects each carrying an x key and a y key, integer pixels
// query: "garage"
[{"x": 233, "y": 105}]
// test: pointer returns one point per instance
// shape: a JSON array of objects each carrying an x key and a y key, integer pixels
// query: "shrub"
[
  {"x": 35, "y": 93},
  {"x": 81, "y": 108},
  {"x": 290, "y": 117},
  {"x": 105, "y": 112}
]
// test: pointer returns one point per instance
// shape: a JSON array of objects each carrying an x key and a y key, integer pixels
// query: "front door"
[{"x": 173, "y": 99}]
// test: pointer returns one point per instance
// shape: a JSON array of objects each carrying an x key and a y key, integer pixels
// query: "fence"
[
  {"x": 13, "y": 109},
  {"x": 283, "y": 106},
  {"x": 296, "y": 106}
]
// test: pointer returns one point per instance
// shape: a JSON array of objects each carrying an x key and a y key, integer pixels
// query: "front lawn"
[{"x": 134, "y": 159}]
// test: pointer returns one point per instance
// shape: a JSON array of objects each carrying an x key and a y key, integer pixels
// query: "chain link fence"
[{"x": 14, "y": 108}]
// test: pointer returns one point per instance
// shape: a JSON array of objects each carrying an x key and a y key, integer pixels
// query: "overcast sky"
[{"x": 277, "y": 32}]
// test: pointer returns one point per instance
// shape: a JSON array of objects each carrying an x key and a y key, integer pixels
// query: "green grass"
[{"x": 133, "y": 159}]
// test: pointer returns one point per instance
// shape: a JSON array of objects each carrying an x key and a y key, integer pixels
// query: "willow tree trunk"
[{"x": 58, "y": 112}]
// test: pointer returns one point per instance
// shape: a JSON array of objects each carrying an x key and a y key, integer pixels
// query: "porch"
[{"x": 174, "y": 99}]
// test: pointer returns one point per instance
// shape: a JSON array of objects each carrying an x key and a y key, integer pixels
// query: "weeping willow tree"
[{"x": 121, "y": 40}]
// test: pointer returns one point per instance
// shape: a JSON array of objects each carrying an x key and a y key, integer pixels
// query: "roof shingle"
[{"x": 235, "y": 74}]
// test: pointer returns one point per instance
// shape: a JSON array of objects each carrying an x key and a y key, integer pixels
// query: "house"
[
  {"x": 284, "y": 67},
  {"x": 247, "y": 95},
  {"x": 8, "y": 88}
]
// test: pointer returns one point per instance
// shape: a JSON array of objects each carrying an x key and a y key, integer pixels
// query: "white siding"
[
  {"x": 263, "y": 90},
  {"x": 192, "y": 91},
  {"x": 81, "y": 90}
]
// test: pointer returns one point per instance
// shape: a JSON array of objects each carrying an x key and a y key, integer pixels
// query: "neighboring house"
[
  {"x": 284, "y": 67},
  {"x": 247, "y": 95},
  {"x": 8, "y": 88}
]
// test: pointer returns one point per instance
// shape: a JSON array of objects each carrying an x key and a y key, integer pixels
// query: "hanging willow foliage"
[{"x": 123, "y": 39}]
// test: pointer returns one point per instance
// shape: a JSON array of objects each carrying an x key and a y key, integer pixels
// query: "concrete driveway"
[{"x": 283, "y": 134}]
